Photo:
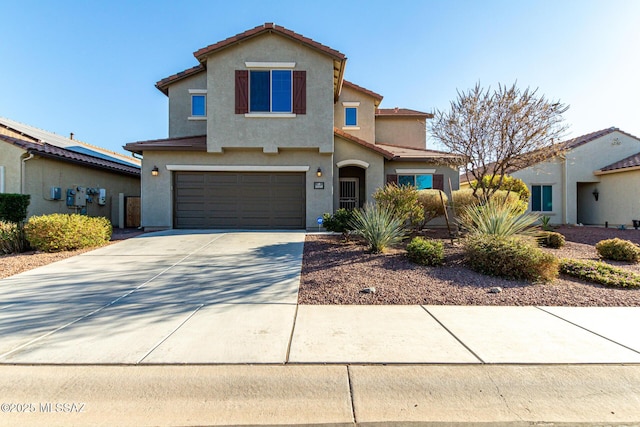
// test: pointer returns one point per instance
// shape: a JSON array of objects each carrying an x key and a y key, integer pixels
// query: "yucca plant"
[
  {"x": 379, "y": 226},
  {"x": 498, "y": 218}
]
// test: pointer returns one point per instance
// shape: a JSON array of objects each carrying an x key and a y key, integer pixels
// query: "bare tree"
[{"x": 500, "y": 131}]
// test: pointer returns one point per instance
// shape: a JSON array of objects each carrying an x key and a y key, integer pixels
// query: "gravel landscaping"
[{"x": 336, "y": 272}]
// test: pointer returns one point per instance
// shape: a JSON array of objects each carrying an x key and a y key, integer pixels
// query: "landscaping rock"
[
  {"x": 495, "y": 290},
  {"x": 370, "y": 290}
]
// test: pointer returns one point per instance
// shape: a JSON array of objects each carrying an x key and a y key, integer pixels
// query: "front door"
[{"x": 349, "y": 193}]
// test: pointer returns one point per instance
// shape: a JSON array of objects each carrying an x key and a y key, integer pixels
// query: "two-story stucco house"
[
  {"x": 594, "y": 181},
  {"x": 265, "y": 133}
]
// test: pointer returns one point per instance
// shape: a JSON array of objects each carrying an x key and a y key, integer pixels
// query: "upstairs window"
[
  {"x": 541, "y": 198},
  {"x": 273, "y": 92},
  {"x": 198, "y": 104},
  {"x": 270, "y": 91},
  {"x": 351, "y": 116}
]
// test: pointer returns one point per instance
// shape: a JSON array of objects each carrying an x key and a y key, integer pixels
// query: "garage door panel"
[{"x": 239, "y": 200}]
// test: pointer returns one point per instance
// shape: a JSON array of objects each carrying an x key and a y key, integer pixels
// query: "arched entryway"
[{"x": 352, "y": 187}]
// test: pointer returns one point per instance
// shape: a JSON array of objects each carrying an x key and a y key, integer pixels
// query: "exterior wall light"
[
  {"x": 155, "y": 171},
  {"x": 596, "y": 194},
  {"x": 319, "y": 172}
]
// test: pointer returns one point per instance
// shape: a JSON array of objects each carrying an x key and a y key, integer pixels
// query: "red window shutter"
[
  {"x": 392, "y": 179},
  {"x": 300, "y": 92},
  {"x": 242, "y": 91},
  {"x": 438, "y": 182}
]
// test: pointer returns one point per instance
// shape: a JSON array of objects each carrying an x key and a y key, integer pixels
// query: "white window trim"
[
  {"x": 270, "y": 115},
  {"x": 415, "y": 171},
  {"x": 351, "y": 104},
  {"x": 352, "y": 162},
  {"x": 240, "y": 168},
  {"x": 198, "y": 92},
  {"x": 350, "y": 127},
  {"x": 273, "y": 65}
]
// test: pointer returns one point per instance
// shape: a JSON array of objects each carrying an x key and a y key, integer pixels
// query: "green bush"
[
  {"x": 618, "y": 250},
  {"x": 402, "y": 201},
  {"x": 509, "y": 183},
  {"x": 379, "y": 226},
  {"x": 511, "y": 257},
  {"x": 431, "y": 204},
  {"x": 338, "y": 222},
  {"x": 426, "y": 252},
  {"x": 64, "y": 232},
  {"x": 497, "y": 218},
  {"x": 12, "y": 238},
  {"x": 550, "y": 239},
  {"x": 600, "y": 273},
  {"x": 463, "y": 198},
  {"x": 13, "y": 207}
]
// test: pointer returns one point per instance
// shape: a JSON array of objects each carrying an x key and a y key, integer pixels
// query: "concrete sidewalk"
[{"x": 446, "y": 395}]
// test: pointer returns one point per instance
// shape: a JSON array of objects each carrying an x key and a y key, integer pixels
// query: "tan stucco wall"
[
  {"x": 374, "y": 173},
  {"x": 225, "y": 129},
  {"x": 547, "y": 173},
  {"x": 180, "y": 107},
  {"x": 43, "y": 173},
  {"x": 365, "y": 117},
  {"x": 407, "y": 132},
  {"x": 618, "y": 200},
  {"x": 157, "y": 195},
  {"x": 10, "y": 158},
  {"x": 584, "y": 160}
]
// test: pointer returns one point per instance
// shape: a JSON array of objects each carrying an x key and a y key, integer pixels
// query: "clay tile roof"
[
  {"x": 418, "y": 154},
  {"x": 363, "y": 90},
  {"x": 163, "y": 85},
  {"x": 51, "y": 151},
  {"x": 267, "y": 27},
  {"x": 627, "y": 163},
  {"x": 188, "y": 143},
  {"x": 387, "y": 154},
  {"x": 401, "y": 112}
]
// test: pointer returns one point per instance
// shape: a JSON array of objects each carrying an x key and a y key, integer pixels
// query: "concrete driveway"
[{"x": 167, "y": 297}]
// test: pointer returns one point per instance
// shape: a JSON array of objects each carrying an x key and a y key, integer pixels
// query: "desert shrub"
[
  {"x": 550, "y": 239},
  {"x": 402, "y": 201},
  {"x": 338, "y": 222},
  {"x": 13, "y": 207},
  {"x": 545, "y": 222},
  {"x": 379, "y": 226},
  {"x": 426, "y": 252},
  {"x": 64, "y": 232},
  {"x": 497, "y": 218},
  {"x": 513, "y": 257},
  {"x": 12, "y": 238},
  {"x": 618, "y": 250},
  {"x": 431, "y": 203},
  {"x": 460, "y": 199},
  {"x": 509, "y": 183},
  {"x": 600, "y": 272}
]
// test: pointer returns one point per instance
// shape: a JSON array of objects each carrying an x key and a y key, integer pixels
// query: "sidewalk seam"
[
  {"x": 293, "y": 328},
  {"x": 353, "y": 406},
  {"x": 453, "y": 335},
  {"x": 588, "y": 330}
]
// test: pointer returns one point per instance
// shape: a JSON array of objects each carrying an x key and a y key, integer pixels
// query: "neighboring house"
[
  {"x": 595, "y": 180},
  {"x": 266, "y": 133},
  {"x": 49, "y": 167}
]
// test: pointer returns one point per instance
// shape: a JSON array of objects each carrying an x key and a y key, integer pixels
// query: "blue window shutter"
[
  {"x": 259, "y": 91},
  {"x": 281, "y": 100}
]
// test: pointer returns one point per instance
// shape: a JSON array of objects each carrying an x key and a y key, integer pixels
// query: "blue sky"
[{"x": 89, "y": 67}]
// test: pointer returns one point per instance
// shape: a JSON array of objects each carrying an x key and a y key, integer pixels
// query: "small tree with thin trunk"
[{"x": 499, "y": 131}]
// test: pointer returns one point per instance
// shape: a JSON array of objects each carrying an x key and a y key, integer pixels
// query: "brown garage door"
[{"x": 239, "y": 200}]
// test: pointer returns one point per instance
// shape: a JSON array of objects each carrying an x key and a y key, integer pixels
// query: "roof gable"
[
  {"x": 361, "y": 89},
  {"x": 401, "y": 112}
]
